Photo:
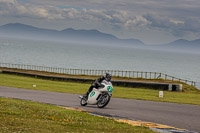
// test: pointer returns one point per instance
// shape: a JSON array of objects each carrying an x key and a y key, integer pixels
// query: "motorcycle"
[{"x": 99, "y": 96}]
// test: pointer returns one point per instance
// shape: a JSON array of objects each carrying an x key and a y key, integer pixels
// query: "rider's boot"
[
  {"x": 86, "y": 95},
  {"x": 88, "y": 92}
]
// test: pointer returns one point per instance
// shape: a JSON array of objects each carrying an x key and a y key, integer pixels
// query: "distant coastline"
[{"x": 95, "y": 37}]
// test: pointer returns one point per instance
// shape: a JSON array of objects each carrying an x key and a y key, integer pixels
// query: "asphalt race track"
[{"x": 177, "y": 115}]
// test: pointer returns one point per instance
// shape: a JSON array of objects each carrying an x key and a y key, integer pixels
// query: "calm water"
[{"x": 69, "y": 55}]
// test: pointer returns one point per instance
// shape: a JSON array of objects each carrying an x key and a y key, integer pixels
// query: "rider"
[{"x": 97, "y": 83}]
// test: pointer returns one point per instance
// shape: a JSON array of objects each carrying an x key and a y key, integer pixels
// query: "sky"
[{"x": 151, "y": 21}]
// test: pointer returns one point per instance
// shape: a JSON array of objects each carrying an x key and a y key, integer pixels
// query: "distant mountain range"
[
  {"x": 94, "y": 36},
  {"x": 90, "y": 36},
  {"x": 182, "y": 45},
  {"x": 182, "y": 42}
]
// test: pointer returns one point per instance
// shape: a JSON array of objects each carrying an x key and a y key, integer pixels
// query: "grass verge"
[
  {"x": 26, "y": 116},
  {"x": 187, "y": 97},
  {"x": 185, "y": 87}
]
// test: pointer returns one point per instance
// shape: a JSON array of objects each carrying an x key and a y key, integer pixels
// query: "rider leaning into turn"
[{"x": 97, "y": 83}]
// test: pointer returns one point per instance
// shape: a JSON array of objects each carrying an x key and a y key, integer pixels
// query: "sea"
[{"x": 100, "y": 57}]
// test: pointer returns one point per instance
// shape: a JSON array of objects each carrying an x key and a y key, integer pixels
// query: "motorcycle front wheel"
[{"x": 103, "y": 101}]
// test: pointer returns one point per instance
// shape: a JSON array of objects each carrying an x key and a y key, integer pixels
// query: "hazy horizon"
[
  {"x": 107, "y": 57},
  {"x": 152, "y": 22}
]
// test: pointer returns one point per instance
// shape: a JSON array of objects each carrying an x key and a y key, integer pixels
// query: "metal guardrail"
[{"x": 130, "y": 74}]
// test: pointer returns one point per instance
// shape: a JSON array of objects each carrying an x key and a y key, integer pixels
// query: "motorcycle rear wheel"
[{"x": 83, "y": 102}]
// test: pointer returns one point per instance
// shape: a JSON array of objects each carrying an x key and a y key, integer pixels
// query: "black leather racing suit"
[{"x": 96, "y": 84}]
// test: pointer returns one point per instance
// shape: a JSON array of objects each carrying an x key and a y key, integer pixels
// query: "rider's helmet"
[{"x": 108, "y": 76}]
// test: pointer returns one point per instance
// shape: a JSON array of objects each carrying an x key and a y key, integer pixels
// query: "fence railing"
[{"x": 130, "y": 74}]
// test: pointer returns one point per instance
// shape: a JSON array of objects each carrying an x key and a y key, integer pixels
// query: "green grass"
[
  {"x": 150, "y": 94},
  {"x": 187, "y": 97},
  {"x": 185, "y": 86},
  {"x": 45, "y": 85},
  {"x": 26, "y": 116}
]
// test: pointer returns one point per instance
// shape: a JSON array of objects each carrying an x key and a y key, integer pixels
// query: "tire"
[
  {"x": 103, "y": 101},
  {"x": 83, "y": 102}
]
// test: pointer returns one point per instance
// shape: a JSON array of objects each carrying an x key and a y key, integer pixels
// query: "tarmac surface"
[{"x": 182, "y": 116}]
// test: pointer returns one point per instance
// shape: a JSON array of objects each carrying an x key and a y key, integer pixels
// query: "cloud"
[
  {"x": 176, "y": 26},
  {"x": 138, "y": 21},
  {"x": 115, "y": 18},
  {"x": 176, "y": 22},
  {"x": 16, "y": 9},
  {"x": 178, "y": 19}
]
